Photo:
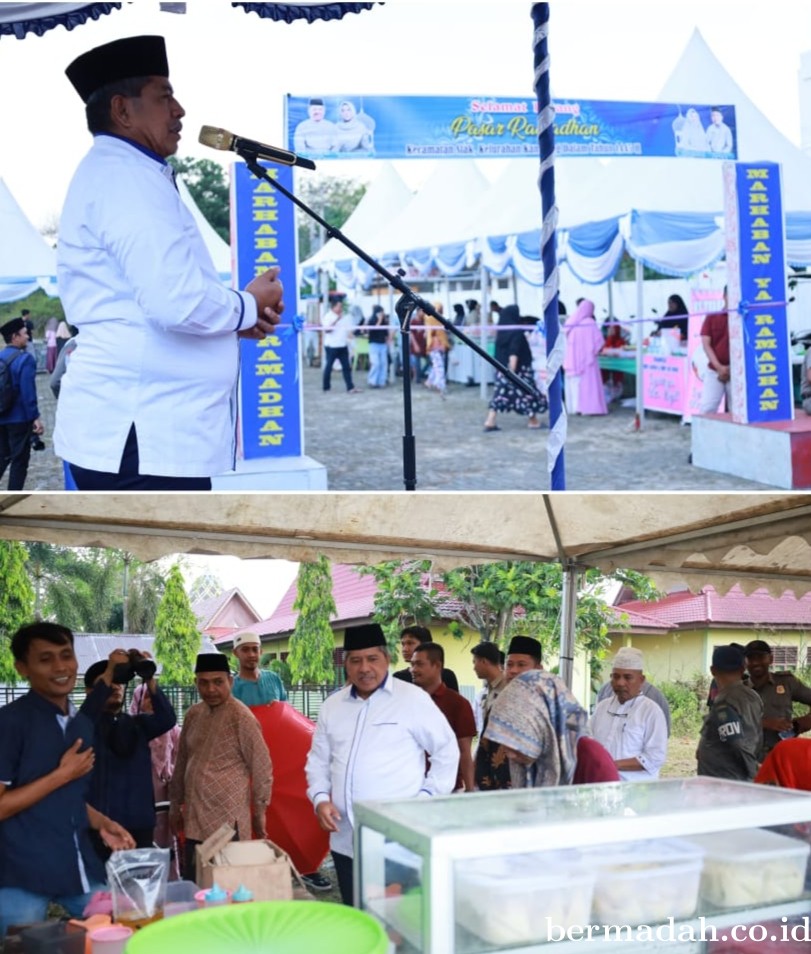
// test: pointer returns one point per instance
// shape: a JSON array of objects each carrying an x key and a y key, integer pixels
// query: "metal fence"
[{"x": 307, "y": 699}]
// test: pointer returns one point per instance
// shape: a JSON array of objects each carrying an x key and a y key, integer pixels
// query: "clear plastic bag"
[{"x": 137, "y": 881}]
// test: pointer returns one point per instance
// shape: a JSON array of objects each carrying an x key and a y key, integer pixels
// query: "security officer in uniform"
[
  {"x": 778, "y": 691},
  {"x": 732, "y": 734}
]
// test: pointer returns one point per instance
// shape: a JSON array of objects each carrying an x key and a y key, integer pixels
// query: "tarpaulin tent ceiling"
[
  {"x": 752, "y": 539},
  {"x": 19, "y": 19}
]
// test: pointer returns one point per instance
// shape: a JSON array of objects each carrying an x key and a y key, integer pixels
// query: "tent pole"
[
  {"x": 567, "y": 622},
  {"x": 639, "y": 421},
  {"x": 555, "y": 339},
  {"x": 484, "y": 285}
]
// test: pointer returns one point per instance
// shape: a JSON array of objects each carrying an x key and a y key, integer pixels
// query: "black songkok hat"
[
  {"x": 363, "y": 637},
  {"x": 525, "y": 646},
  {"x": 11, "y": 328},
  {"x": 211, "y": 662},
  {"x": 122, "y": 59},
  {"x": 93, "y": 672}
]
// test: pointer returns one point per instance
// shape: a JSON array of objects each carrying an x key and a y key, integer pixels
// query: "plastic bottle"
[
  {"x": 216, "y": 896},
  {"x": 241, "y": 895}
]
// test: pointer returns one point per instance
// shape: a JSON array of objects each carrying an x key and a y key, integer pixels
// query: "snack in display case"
[
  {"x": 751, "y": 867},
  {"x": 516, "y": 898},
  {"x": 646, "y": 882}
]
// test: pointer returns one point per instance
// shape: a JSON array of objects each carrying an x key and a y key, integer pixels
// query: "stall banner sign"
[
  {"x": 664, "y": 383},
  {"x": 758, "y": 322},
  {"x": 263, "y": 226},
  {"x": 453, "y": 127}
]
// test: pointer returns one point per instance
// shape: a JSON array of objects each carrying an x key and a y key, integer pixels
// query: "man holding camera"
[{"x": 121, "y": 785}]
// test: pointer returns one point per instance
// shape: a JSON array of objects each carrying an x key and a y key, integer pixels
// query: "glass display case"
[{"x": 700, "y": 861}]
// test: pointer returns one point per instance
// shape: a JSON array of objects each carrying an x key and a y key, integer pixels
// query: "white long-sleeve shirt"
[
  {"x": 635, "y": 729},
  {"x": 337, "y": 329},
  {"x": 157, "y": 344},
  {"x": 375, "y": 748}
]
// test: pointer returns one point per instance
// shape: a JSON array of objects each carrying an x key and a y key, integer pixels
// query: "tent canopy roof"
[{"x": 723, "y": 539}]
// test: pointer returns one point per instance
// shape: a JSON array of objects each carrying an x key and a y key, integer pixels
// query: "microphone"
[{"x": 222, "y": 139}]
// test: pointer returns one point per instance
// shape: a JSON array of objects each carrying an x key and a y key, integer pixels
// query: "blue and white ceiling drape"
[{"x": 20, "y": 19}]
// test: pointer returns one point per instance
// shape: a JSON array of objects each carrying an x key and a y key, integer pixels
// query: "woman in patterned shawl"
[{"x": 538, "y": 720}]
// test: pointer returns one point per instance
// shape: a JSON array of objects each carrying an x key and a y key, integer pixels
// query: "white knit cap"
[
  {"x": 246, "y": 639},
  {"x": 628, "y": 658}
]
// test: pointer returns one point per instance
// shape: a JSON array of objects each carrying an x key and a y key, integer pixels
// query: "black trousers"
[
  {"x": 343, "y": 872},
  {"x": 128, "y": 477},
  {"x": 15, "y": 449},
  {"x": 342, "y": 354}
]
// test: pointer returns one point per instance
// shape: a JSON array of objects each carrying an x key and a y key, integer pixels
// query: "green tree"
[
  {"x": 41, "y": 306},
  {"x": 177, "y": 639},
  {"x": 496, "y": 600},
  {"x": 208, "y": 185},
  {"x": 334, "y": 200},
  {"x": 313, "y": 642},
  {"x": 83, "y": 591},
  {"x": 405, "y": 596},
  {"x": 16, "y": 603},
  {"x": 94, "y": 590}
]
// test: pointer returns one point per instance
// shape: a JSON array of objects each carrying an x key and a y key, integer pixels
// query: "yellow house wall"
[{"x": 680, "y": 654}]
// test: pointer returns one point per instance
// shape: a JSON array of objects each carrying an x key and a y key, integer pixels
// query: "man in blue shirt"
[
  {"x": 121, "y": 784},
  {"x": 21, "y": 421},
  {"x": 254, "y": 686},
  {"x": 45, "y": 761}
]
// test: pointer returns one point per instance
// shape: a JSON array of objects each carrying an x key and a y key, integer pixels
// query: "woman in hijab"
[
  {"x": 676, "y": 316},
  {"x": 513, "y": 351},
  {"x": 584, "y": 383},
  {"x": 353, "y": 134},
  {"x": 436, "y": 346},
  {"x": 538, "y": 721}
]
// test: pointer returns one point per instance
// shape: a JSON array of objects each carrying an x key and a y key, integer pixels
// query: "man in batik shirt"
[{"x": 223, "y": 772}]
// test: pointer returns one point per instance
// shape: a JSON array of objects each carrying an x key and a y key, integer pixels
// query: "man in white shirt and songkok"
[
  {"x": 371, "y": 742},
  {"x": 148, "y": 401},
  {"x": 628, "y": 724}
]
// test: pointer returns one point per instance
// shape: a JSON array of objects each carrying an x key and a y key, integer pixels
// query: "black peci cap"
[
  {"x": 363, "y": 637},
  {"x": 122, "y": 59},
  {"x": 212, "y": 662}
]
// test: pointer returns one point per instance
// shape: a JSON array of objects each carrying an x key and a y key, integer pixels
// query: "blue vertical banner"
[
  {"x": 759, "y": 337},
  {"x": 264, "y": 230}
]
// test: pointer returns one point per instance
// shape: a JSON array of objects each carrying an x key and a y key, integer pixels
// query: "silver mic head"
[{"x": 216, "y": 138}]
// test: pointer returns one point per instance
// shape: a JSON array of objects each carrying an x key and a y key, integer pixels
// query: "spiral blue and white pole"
[{"x": 555, "y": 340}]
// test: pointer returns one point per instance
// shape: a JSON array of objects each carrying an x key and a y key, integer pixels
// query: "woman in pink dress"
[{"x": 584, "y": 383}]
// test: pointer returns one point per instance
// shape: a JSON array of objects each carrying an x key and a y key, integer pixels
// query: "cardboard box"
[{"x": 259, "y": 865}]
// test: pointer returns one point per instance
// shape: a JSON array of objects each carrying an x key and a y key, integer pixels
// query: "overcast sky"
[{"x": 232, "y": 69}]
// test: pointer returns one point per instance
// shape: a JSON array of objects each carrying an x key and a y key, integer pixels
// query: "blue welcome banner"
[
  {"x": 263, "y": 226},
  {"x": 759, "y": 338},
  {"x": 433, "y": 127}
]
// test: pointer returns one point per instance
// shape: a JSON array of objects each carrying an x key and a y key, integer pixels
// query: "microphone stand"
[{"x": 405, "y": 307}]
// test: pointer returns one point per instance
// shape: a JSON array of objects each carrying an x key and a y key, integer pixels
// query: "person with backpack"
[{"x": 19, "y": 412}]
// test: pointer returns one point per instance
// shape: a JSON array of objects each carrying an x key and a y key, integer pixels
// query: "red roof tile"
[{"x": 684, "y": 609}]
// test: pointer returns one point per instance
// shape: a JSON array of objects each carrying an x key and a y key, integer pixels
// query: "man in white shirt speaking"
[
  {"x": 628, "y": 724},
  {"x": 148, "y": 401},
  {"x": 370, "y": 743}
]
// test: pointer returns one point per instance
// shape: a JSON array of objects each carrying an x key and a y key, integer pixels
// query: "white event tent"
[
  {"x": 27, "y": 262},
  {"x": 383, "y": 201},
  {"x": 666, "y": 212}
]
